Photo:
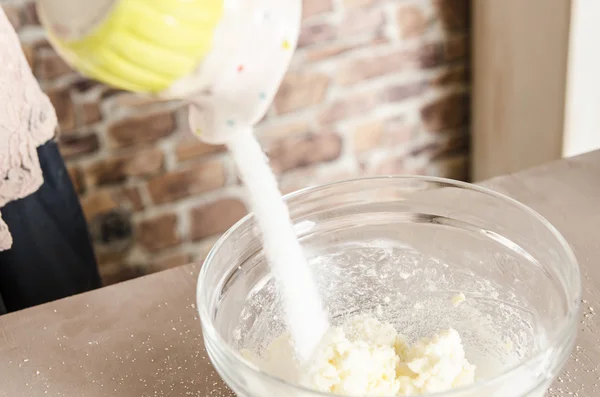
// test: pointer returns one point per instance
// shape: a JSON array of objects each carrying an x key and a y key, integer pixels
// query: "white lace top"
[{"x": 27, "y": 120}]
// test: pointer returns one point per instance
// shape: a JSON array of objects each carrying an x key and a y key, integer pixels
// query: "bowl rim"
[{"x": 559, "y": 339}]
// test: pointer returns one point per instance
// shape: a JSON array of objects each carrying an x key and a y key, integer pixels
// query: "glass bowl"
[{"x": 403, "y": 247}]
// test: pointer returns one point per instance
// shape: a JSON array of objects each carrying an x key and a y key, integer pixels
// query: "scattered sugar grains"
[
  {"x": 458, "y": 299},
  {"x": 368, "y": 357}
]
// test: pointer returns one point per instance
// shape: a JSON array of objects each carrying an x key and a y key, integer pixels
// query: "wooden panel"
[{"x": 519, "y": 72}]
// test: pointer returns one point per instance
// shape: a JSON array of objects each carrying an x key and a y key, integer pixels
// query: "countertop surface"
[{"x": 143, "y": 337}]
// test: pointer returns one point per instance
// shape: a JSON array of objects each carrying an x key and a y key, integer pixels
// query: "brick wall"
[{"x": 376, "y": 87}]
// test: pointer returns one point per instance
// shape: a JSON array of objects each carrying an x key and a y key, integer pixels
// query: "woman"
[{"x": 45, "y": 249}]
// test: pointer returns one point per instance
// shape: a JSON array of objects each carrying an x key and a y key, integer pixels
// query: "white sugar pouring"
[
  {"x": 305, "y": 315},
  {"x": 253, "y": 47}
]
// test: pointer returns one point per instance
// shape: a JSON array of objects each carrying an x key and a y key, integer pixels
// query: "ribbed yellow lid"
[{"x": 145, "y": 45}]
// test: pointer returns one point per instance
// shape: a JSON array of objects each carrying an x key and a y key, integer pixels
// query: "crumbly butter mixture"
[{"x": 367, "y": 357}]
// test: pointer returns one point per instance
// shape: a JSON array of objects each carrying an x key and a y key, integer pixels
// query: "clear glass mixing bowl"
[{"x": 403, "y": 247}]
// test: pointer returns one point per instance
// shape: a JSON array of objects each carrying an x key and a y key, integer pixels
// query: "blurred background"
[{"x": 376, "y": 87}]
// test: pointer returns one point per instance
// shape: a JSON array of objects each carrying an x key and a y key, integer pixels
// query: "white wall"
[{"x": 582, "y": 113}]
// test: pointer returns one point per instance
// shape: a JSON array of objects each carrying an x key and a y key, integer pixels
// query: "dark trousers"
[{"x": 52, "y": 255}]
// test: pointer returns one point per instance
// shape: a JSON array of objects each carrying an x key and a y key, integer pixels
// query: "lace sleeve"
[{"x": 27, "y": 120}]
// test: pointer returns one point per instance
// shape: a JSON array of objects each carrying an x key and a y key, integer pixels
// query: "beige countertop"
[{"x": 142, "y": 337}]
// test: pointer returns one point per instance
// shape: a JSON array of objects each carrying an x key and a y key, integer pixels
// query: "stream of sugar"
[{"x": 305, "y": 315}]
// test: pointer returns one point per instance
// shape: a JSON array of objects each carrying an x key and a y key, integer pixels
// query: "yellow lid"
[{"x": 145, "y": 45}]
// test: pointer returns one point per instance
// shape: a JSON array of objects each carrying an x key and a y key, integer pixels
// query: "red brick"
[
  {"x": 298, "y": 179},
  {"x": 448, "y": 112},
  {"x": 76, "y": 177},
  {"x": 50, "y": 65},
  {"x": 169, "y": 262},
  {"x": 300, "y": 90},
  {"x": 316, "y": 33},
  {"x": 107, "y": 92},
  {"x": 427, "y": 56},
  {"x": 192, "y": 148},
  {"x": 119, "y": 273},
  {"x": 432, "y": 55},
  {"x": 361, "y": 20},
  {"x": 359, "y": 3},
  {"x": 334, "y": 49},
  {"x": 453, "y": 167},
  {"x": 411, "y": 21},
  {"x": 301, "y": 152},
  {"x": 144, "y": 163},
  {"x": 97, "y": 203},
  {"x": 453, "y": 76},
  {"x": 131, "y": 100},
  {"x": 158, "y": 233},
  {"x": 131, "y": 196},
  {"x": 315, "y": 7},
  {"x": 30, "y": 54},
  {"x": 65, "y": 112},
  {"x": 118, "y": 169},
  {"x": 84, "y": 85},
  {"x": 90, "y": 112},
  {"x": 72, "y": 146},
  {"x": 373, "y": 66},
  {"x": 281, "y": 131},
  {"x": 456, "y": 48},
  {"x": 440, "y": 146},
  {"x": 367, "y": 136},
  {"x": 454, "y": 14},
  {"x": 112, "y": 234},
  {"x": 205, "y": 246},
  {"x": 393, "y": 165},
  {"x": 401, "y": 92},
  {"x": 313, "y": 176},
  {"x": 348, "y": 107},
  {"x": 13, "y": 15},
  {"x": 30, "y": 15},
  {"x": 105, "y": 200},
  {"x": 141, "y": 129},
  {"x": 216, "y": 218},
  {"x": 106, "y": 259},
  {"x": 382, "y": 134},
  {"x": 183, "y": 183},
  {"x": 42, "y": 43}
]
